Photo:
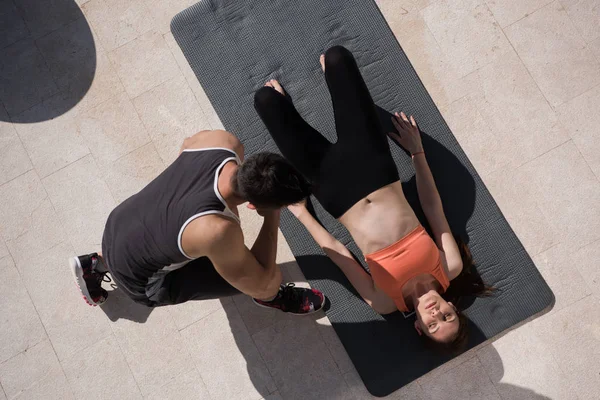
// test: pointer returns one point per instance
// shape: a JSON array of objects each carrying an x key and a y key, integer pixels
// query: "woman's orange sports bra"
[{"x": 414, "y": 254}]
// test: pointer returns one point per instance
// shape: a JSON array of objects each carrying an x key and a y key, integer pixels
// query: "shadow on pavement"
[{"x": 46, "y": 51}]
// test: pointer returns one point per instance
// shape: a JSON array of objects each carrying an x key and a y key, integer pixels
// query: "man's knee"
[{"x": 338, "y": 56}]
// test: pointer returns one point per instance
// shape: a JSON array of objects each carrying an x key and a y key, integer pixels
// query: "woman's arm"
[
  {"x": 342, "y": 257},
  {"x": 410, "y": 138}
]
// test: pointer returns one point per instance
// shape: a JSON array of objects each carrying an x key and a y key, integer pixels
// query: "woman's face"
[{"x": 436, "y": 317}]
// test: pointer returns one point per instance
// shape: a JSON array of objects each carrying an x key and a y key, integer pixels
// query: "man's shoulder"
[
  {"x": 214, "y": 230},
  {"x": 215, "y": 138}
]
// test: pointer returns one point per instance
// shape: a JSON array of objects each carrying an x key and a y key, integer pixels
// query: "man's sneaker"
[
  {"x": 88, "y": 280},
  {"x": 293, "y": 300}
]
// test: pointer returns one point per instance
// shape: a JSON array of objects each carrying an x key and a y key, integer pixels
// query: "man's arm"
[
  {"x": 265, "y": 246},
  {"x": 238, "y": 265}
]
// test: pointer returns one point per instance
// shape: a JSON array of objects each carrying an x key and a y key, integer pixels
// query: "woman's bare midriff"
[{"x": 380, "y": 219}]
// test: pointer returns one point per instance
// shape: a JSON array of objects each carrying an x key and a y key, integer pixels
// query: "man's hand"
[
  {"x": 265, "y": 212},
  {"x": 408, "y": 135},
  {"x": 298, "y": 209}
]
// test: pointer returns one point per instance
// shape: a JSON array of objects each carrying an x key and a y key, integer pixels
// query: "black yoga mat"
[{"x": 234, "y": 46}]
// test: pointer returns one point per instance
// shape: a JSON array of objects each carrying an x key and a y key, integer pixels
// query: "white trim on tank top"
[
  {"x": 237, "y": 158},
  {"x": 226, "y": 213}
]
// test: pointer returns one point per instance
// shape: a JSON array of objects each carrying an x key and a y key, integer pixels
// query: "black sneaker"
[
  {"x": 293, "y": 300},
  {"x": 88, "y": 280}
]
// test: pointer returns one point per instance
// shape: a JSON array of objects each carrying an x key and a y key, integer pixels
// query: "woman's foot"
[
  {"x": 274, "y": 83},
  {"x": 322, "y": 61}
]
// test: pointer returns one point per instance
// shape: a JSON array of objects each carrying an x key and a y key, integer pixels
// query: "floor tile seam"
[
  {"x": 575, "y": 25},
  {"x": 198, "y": 320},
  {"x": 47, "y": 336},
  {"x": 204, "y": 112},
  {"x": 256, "y": 347},
  {"x": 526, "y": 14},
  {"x": 523, "y": 63},
  {"x": 153, "y": 29},
  {"x": 30, "y": 36},
  {"x": 123, "y": 354}
]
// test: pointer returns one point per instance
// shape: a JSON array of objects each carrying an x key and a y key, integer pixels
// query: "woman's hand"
[
  {"x": 298, "y": 208},
  {"x": 408, "y": 135}
]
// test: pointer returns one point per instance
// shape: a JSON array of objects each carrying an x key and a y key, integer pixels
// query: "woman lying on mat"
[{"x": 357, "y": 182}]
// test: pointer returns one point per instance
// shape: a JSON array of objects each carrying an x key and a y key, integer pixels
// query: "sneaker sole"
[
  {"x": 289, "y": 312},
  {"x": 77, "y": 271}
]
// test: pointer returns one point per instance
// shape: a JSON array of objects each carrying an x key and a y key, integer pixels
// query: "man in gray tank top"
[{"x": 179, "y": 238}]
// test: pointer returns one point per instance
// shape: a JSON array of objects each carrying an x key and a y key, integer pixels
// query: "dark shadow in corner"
[
  {"x": 119, "y": 306},
  {"x": 48, "y": 55}
]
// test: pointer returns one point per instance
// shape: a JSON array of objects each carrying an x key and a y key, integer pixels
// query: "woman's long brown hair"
[{"x": 467, "y": 284}]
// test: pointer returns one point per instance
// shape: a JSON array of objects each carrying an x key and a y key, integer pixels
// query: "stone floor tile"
[
  {"x": 112, "y": 130},
  {"x": 568, "y": 193},
  {"x": 503, "y": 91},
  {"x": 185, "y": 386},
  {"x": 572, "y": 337},
  {"x": 101, "y": 372},
  {"x": 14, "y": 160},
  {"x": 358, "y": 390},
  {"x": 43, "y": 20},
  {"x": 185, "y": 314},
  {"x": 205, "y": 104},
  {"x": 585, "y": 14},
  {"x": 72, "y": 325},
  {"x": 83, "y": 217},
  {"x": 334, "y": 344},
  {"x": 299, "y": 361},
  {"x": 21, "y": 327},
  {"x": 54, "y": 142},
  {"x": 586, "y": 261},
  {"x": 474, "y": 135},
  {"x": 154, "y": 349},
  {"x": 118, "y": 22},
  {"x": 164, "y": 11},
  {"x": 555, "y": 54},
  {"x": 227, "y": 358},
  {"x": 507, "y": 12},
  {"x": 132, "y": 172},
  {"x": 3, "y": 249},
  {"x": 144, "y": 63},
  {"x": 521, "y": 366},
  {"x": 562, "y": 275},
  {"x": 466, "y": 32},
  {"x": 12, "y": 26},
  {"x": 582, "y": 118},
  {"x": 257, "y": 318},
  {"x": 25, "y": 79},
  {"x": 79, "y": 65},
  {"x": 595, "y": 46},
  {"x": 512, "y": 191},
  {"x": 443, "y": 83},
  {"x": 35, "y": 374},
  {"x": 465, "y": 381},
  {"x": 28, "y": 222},
  {"x": 170, "y": 113},
  {"x": 161, "y": 362}
]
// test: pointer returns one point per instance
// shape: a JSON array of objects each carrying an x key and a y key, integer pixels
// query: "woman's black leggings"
[{"x": 359, "y": 163}]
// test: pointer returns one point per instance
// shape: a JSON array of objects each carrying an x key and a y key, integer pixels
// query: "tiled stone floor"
[{"x": 95, "y": 99}]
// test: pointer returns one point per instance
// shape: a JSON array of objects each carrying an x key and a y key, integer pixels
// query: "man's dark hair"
[{"x": 268, "y": 180}]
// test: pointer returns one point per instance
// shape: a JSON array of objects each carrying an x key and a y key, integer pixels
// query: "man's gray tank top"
[{"x": 142, "y": 237}]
